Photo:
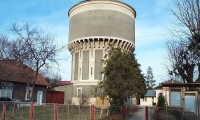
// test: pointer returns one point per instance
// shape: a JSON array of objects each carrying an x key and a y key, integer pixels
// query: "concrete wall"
[
  {"x": 86, "y": 90},
  {"x": 19, "y": 92},
  {"x": 68, "y": 89},
  {"x": 134, "y": 101},
  {"x": 92, "y": 26},
  {"x": 101, "y": 23},
  {"x": 102, "y": 18},
  {"x": 148, "y": 101},
  {"x": 87, "y": 65}
]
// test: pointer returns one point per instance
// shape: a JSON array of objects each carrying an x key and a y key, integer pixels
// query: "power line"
[{"x": 153, "y": 35}]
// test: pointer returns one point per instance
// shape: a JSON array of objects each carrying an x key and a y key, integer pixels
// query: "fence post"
[
  {"x": 4, "y": 111},
  {"x": 56, "y": 111},
  {"x": 68, "y": 111},
  {"x": 146, "y": 113},
  {"x": 123, "y": 112},
  {"x": 79, "y": 108},
  {"x": 157, "y": 113},
  {"x": 92, "y": 112},
  {"x": 31, "y": 110}
]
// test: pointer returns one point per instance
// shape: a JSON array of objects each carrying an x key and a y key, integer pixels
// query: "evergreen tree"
[
  {"x": 122, "y": 76},
  {"x": 161, "y": 101},
  {"x": 150, "y": 82}
]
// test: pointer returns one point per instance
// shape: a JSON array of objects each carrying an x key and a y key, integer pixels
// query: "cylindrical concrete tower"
[{"x": 93, "y": 25}]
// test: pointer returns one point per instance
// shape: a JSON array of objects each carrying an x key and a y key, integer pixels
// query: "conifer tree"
[
  {"x": 150, "y": 82},
  {"x": 122, "y": 76}
]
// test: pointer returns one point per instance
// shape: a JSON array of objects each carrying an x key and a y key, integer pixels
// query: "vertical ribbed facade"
[{"x": 93, "y": 25}]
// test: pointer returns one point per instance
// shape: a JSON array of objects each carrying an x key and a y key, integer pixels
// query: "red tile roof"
[
  {"x": 171, "y": 81},
  {"x": 14, "y": 71},
  {"x": 64, "y": 82}
]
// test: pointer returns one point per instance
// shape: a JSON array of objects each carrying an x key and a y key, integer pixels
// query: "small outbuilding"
[
  {"x": 149, "y": 98},
  {"x": 16, "y": 81}
]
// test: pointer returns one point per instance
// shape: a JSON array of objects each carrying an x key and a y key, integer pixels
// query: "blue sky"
[{"x": 152, "y": 23}]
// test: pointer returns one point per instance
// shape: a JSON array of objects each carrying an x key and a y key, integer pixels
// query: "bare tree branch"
[{"x": 36, "y": 47}]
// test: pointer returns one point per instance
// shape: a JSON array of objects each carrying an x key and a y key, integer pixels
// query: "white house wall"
[
  {"x": 148, "y": 101},
  {"x": 164, "y": 93}
]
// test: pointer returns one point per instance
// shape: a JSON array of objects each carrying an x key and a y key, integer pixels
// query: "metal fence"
[
  {"x": 22, "y": 111},
  {"x": 151, "y": 113},
  {"x": 172, "y": 113},
  {"x": 109, "y": 113},
  {"x": 16, "y": 110}
]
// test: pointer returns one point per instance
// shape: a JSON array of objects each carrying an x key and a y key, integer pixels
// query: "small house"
[
  {"x": 16, "y": 81},
  {"x": 149, "y": 98}
]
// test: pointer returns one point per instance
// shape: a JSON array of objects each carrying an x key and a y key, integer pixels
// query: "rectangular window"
[
  {"x": 85, "y": 65},
  {"x": 28, "y": 93},
  {"x": 79, "y": 92},
  {"x": 92, "y": 51},
  {"x": 91, "y": 71},
  {"x": 76, "y": 66},
  {"x": 80, "y": 53},
  {"x": 6, "y": 89},
  {"x": 98, "y": 64},
  {"x": 144, "y": 99},
  {"x": 175, "y": 98}
]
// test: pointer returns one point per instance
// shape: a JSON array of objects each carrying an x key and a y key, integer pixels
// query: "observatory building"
[{"x": 93, "y": 24}]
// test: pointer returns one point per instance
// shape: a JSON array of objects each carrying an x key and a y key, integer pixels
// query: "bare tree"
[
  {"x": 187, "y": 13},
  {"x": 4, "y": 47},
  {"x": 51, "y": 76},
  {"x": 11, "y": 55},
  {"x": 184, "y": 50},
  {"x": 33, "y": 47},
  {"x": 182, "y": 61}
]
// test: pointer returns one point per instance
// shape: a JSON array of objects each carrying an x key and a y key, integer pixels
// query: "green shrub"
[{"x": 161, "y": 101}]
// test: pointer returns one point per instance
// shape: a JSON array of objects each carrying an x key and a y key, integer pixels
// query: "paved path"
[{"x": 140, "y": 115}]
